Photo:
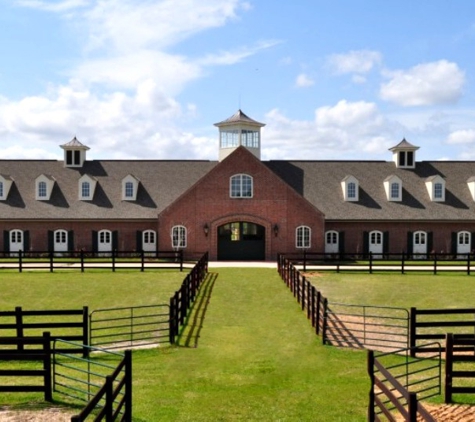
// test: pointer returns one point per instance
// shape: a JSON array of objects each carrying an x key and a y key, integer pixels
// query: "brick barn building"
[{"x": 239, "y": 207}]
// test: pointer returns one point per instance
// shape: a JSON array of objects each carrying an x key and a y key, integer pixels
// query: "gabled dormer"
[
  {"x": 436, "y": 188},
  {"x": 404, "y": 155},
  {"x": 44, "y": 184},
  {"x": 5, "y": 185},
  {"x": 393, "y": 188},
  {"x": 350, "y": 187},
  {"x": 471, "y": 186},
  {"x": 239, "y": 130},
  {"x": 130, "y": 186},
  {"x": 74, "y": 153},
  {"x": 86, "y": 187}
]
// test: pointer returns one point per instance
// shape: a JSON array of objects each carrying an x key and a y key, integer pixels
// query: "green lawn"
[{"x": 248, "y": 352}]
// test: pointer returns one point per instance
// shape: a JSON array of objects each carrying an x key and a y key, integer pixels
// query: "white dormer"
[
  {"x": 404, "y": 155},
  {"x": 471, "y": 186},
  {"x": 74, "y": 153},
  {"x": 393, "y": 188},
  {"x": 86, "y": 187},
  {"x": 239, "y": 130},
  {"x": 130, "y": 186},
  {"x": 5, "y": 185},
  {"x": 350, "y": 187},
  {"x": 436, "y": 187},
  {"x": 44, "y": 184}
]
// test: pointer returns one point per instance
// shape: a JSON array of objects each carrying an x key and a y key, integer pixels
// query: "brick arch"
[{"x": 214, "y": 224}]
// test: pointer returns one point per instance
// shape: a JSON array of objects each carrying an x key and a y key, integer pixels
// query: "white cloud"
[
  {"x": 356, "y": 61},
  {"x": 304, "y": 81},
  {"x": 466, "y": 136},
  {"x": 349, "y": 129},
  {"x": 433, "y": 83}
]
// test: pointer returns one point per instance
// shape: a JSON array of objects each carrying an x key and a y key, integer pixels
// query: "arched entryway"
[{"x": 241, "y": 240}]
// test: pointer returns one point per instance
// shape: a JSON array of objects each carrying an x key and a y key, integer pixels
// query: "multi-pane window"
[
  {"x": 73, "y": 158},
  {"x": 332, "y": 238},
  {"x": 438, "y": 190},
  {"x": 376, "y": 238},
  {"x": 129, "y": 190},
  {"x": 302, "y": 237},
  {"x": 351, "y": 190},
  {"x": 394, "y": 190},
  {"x": 420, "y": 238},
  {"x": 85, "y": 189},
  {"x": 1, "y": 189},
  {"x": 241, "y": 186},
  {"x": 179, "y": 237},
  {"x": 16, "y": 236},
  {"x": 42, "y": 190},
  {"x": 105, "y": 236},
  {"x": 60, "y": 236},
  {"x": 229, "y": 138},
  {"x": 406, "y": 158},
  {"x": 464, "y": 238},
  {"x": 250, "y": 138},
  {"x": 148, "y": 237}
]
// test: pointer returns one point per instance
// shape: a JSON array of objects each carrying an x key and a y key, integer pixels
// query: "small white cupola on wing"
[
  {"x": 239, "y": 130},
  {"x": 74, "y": 153},
  {"x": 404, "y": 155}
]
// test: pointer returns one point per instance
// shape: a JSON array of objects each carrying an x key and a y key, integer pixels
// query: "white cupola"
[
  {"x": 239, "y": 130},
  {"x": 74, "y": 153},
  {"x": 404, "y": 155}
]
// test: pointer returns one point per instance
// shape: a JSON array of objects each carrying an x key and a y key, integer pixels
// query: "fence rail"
[
  {"x": 180, "y": 303},
  {"x": 396, "y": 388},
  {"x": 82, "y": 260},
  {"x": 116, "y": 328},
  {"x": 68, "y": 324},
  {"x": 394, "y": 262},
  {"x": 21, "y": 353}
]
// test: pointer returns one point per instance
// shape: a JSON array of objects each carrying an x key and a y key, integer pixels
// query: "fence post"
[
  {"x": 51, "y": 265},
  {"x": 171, "y": 322},
  {"x": 412, "y": 407},
  {"x": 370, "y": 262},
  {"x": 181, "y": 260},
  {"x": 370, "y": 366},
  {"x": 402, "y": 263},
  {"x": 468, "y": 264},
  {"x": 305, "y": 260},
  {"x": 19, "y": 325},
  {"x": 142, "y": 260},
  {"x": 81, "y": 254},
  {"x": 85, "y": 331},
  {"x": 113, "y": 260},
  {"x": 20, "y": 262},
  {"x": 317, "y": 322},
  {"x": 109, "y": 399},
  {"x": 47, "y": 366},
  {"x": 449, "y": 362},
  {"x": 435, "y": 263},
  {"x": 325, "y": 316},
  {"x": 412, "y": 332},
  {"x": 128, "y": 385}
]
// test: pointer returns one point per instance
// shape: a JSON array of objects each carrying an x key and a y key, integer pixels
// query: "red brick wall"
[{"x": 273, "y": 203}]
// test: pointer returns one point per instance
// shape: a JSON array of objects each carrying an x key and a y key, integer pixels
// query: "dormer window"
[
  {"x": 86, "y": 187},
  {"x": 74, "y": 153},
  {"x": 350, "y": 187},
  {"x": 130, "y": 186},
  {"x": 44, "y": 187},
  {"x": 5, "y": 185},
  {"x": 241, "y": 186},
  {"x": 471, "y": 186},
  {"x": 436, "y": 188},
  {"x": 393, "y": 188},
  {"x": 404, "y": 155}
]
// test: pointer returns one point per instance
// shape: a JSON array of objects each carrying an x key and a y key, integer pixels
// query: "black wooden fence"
[
  {"x": 180, "y": 303},
  {"x": 82, "y": 260},
  {"x": 459, "y": 359},
  {"x": 21, "y": 352},
  {"x": 68, "y": 324}
]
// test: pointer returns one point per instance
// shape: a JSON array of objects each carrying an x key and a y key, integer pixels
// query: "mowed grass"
[{"x": 256, "y": 356}]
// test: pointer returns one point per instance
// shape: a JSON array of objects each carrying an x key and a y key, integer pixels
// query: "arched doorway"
[{"x": 241, "y": 240}]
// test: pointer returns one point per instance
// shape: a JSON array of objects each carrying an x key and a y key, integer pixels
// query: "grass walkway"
[{"x": 257, "y": 359}]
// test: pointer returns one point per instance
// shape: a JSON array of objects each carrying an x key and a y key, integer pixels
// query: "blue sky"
[{"x": 340, "y": 79}]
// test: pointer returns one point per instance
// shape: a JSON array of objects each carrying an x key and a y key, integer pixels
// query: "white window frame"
[
  {"x": 332, "y": 241},
  {"x": 464, "y": 243},
  {"x": 303, "y": 237},
  {"x": 5, "y": 184},
  {"x": 436, "y": 188},
  {"x": 376, "y": 243},
  {"x": 179, "y": 237},
  {"x": 350, "y": 188},
  {"x": 241, "y": 186},
  {"x": 130, "y": 186},
  {"x": 92, "y": 181},
  {"x": 42, "y": 189},
  {"x": 17, "y": 239}
]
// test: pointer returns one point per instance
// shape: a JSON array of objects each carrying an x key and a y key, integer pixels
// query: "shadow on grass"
[{"x": 190, "y": 334}]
